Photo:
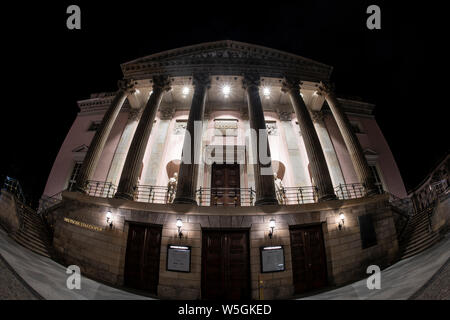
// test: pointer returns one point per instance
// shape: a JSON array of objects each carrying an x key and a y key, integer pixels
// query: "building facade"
[{"x": 234, "y": 159}]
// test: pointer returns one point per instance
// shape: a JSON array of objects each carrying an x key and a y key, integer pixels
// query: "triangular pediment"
[{"x": 226, "y": 57}]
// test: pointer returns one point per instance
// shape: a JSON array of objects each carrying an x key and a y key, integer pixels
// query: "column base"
[
  {"x": 184, "y": 201},
  {"x": 266, "y": 201},
  {"x": 123, "y": 196}
]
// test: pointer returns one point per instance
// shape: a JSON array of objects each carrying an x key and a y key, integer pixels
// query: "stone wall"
[
  {"x": 440, "y": 220},
  {"x": 8, "y": 212},
  {"x": 100, "y": 251}
]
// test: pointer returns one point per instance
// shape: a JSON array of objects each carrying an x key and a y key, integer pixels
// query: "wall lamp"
[
  {"x": 109, "y": 219},
  {"x": 341, "y": 220},
  {"x": 271, "y": 227},
  {"x": 179, "y": 225}
]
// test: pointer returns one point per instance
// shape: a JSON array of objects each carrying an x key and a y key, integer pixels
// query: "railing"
[
  {"x": 297, "y": 195},
  {"x": 154, "y": 194},
  {"x": 13, "y": 186},
  {"x": 48, "y": 202},
  {"x": 225, "y": 197},
  {"x": 100, "y": 189},
  {"x": 350, "y": 191}
]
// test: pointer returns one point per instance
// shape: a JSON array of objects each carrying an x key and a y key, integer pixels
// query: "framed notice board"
[
  {"x": 178, "y": 258},
  {"x": 272, "y": 259}
]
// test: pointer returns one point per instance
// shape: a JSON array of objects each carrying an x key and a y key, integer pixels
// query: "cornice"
[{"x": 226, "y": 58}]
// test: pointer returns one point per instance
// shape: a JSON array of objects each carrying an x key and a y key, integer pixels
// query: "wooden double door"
[
  {"x": 142, "y": 257},
  {"x": 309, "y": 266},
  {"x": 225, "y": 265},
  {"x": 225, "y": 184}
]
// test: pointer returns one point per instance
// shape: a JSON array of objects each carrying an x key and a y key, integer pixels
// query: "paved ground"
[
  {"x": 437, "y": 288},
  {"x": 11, "y": 288},
  {"x": 424, "y": 276},
  {"x": 48, "y": 278},
  {"x": 402, "y": 280}
]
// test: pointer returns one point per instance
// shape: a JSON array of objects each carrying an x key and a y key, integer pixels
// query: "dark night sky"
[{"x": 48, "y": 67}]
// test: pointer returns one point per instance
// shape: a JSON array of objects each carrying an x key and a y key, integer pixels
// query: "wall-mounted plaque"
[
  {"x": 272, "y": 259},
  {"x": 178, "y": 258}
]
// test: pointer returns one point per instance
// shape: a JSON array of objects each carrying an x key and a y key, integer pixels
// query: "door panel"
[
  {"x": 308, "y": 258},
  {"x": 225, "y": 265},
  {"x": 225, "y": 184},
  {"x": 143, "y": 257}
]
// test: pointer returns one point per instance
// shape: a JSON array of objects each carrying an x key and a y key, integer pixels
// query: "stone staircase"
[
  {"x": 33, "y": 233},
  {"x": 418, "y": 235}
]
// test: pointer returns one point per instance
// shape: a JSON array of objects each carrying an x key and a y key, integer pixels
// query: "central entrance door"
[
  {"x": 142, "y": 257},
  {"x": 225, "y": 265},
  {"x": 308, "y": 258},
  {"x": 225, "y": 184}
]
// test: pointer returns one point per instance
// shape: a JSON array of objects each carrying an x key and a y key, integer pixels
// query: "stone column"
[
  {"x": 263, "y": 173},
  {"x": 351, "y": 141},
  {"x": 317, "y": 163},
  {"x": 187, "y": 177},
  {"x": 98, "y": 142},
  {"x": 133, "y": 162},
  {"x": 318, "y": 118}
]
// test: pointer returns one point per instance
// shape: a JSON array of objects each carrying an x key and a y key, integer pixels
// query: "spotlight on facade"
[
  {"x": 315, "y": 93},
  {"x": 226, "y": 91},
  {"x": 271, "y": 227},
  {"x": 341, "y": 221},
  {"x": 185, "y": 91},
  {"x": 179, "y": 225},
  {"x": 266, "y": 93},
  {"x": 109, "y": 219}
]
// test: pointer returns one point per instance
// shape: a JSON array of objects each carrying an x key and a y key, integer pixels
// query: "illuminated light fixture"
[
  {"x": 185, "y": 91},
  {"x": 226, "y": 91},
  {"x": 179, "y": 225},
  {"x": 137, "y": 91},
  {"x": 315, "y": 93},
  {"x": 109, "y": 219},
  {"x": 301, "y": 94},
  {"x": 266, "y": 93},
  {"x": 341, "y": 221},
  {"x": 271, "y": 227}
]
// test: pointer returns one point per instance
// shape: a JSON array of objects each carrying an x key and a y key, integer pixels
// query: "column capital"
[
  {"x": 317, "y": 116},
  {"x": 201, "y": 79},
  {"x": 126, "y": 85},
  {"x": 251, "y": 79},
  {"x": 291, "y": 84},
  {"x": 161, "y": 82},
  {"x": 166, "y": 113},
  {"x": 135, "y": 114},
  {"x": 325, "y": 89}
]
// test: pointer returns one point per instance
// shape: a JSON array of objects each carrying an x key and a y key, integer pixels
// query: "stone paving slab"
[
  {"x": 400, "y": 281},
  {"x": 48, "y": 278}
]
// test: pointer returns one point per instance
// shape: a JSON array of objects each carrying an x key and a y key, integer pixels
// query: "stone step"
[
  {"x": 409, "y": 233},
  {"x": 32, "y": 219},
  {"x": 418, "y": 228},
  {"x": 27, "y": 238},
  {"x": 417, "y": 238},
  {"x": 39, "y": 231},
  {"x": 419, "y": 247},
  {"x": 35, "y": 236},
  {"x": 32, "y": 247}
]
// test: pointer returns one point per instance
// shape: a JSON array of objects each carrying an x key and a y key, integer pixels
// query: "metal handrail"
[
  {"x": 350, "y": 191},
  {"x": 154, "y": 194},
  {"x": 13, "y": 186},
  {"x": 226, "y": 196},
  {"x": 297, "y": 195},
  {"x": 100, "y": 189}
]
